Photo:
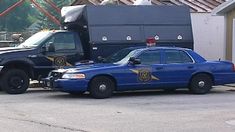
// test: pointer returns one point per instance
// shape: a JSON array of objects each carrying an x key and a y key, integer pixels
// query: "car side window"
[
  {"x": 62, "y": 41},
  {"x": 177, "y": 56},
  {"x": 150, "y": 57},
  {"x": 185, "y": 57}
]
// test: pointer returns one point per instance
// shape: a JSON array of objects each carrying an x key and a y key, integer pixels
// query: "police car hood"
[
  {"x": 12, "y": 49},
  {"x": 94, "y": 66},
  {"x": 98, "y": 66}
]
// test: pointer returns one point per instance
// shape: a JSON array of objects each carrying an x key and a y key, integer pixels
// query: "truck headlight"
[{"x": 74, "y": 76}]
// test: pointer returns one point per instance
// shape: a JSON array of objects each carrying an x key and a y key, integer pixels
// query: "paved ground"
[{"x": 44, "y": 111}]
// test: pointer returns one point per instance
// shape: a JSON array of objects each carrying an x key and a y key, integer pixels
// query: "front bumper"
[
  {"x": 49, "y": 82},
  {"x": 66, "y": 85}
]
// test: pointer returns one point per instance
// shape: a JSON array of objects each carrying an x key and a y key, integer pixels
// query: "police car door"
[
  {"x": 178, "y": 67},
  {"x": 148, "y": 76}
]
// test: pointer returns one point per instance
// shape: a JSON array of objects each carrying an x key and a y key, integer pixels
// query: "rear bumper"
[{"x": 221, "y": 79}]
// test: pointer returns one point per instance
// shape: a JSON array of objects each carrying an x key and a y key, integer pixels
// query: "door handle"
[{"x": 159, "y": 68}]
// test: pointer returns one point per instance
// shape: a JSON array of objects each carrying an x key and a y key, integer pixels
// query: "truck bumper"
[{"x": 1, "y": 67}]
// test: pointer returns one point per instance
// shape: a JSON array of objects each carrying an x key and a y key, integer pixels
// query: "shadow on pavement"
[{"x": 131, "y": 94}]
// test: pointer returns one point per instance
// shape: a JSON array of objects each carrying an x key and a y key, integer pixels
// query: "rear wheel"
[
  {"x": 15, "y": 81},
  {"x": 201, "y": 84},
  {"x": 101, "y": 87}
]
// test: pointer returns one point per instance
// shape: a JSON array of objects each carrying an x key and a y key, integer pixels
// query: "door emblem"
[
  {"x": 144, "y": 75},
  {"x": 60, "y": 61}
]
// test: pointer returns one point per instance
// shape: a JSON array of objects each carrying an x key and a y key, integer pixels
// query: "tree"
[
  {"x": 16, "y": 20},
  {"x": 44, "y": 21}
]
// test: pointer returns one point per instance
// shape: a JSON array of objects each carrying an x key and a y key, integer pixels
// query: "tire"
[
  {"x": 201, "y": 84},
  {"x": 101, "y": 87},
  {"x": 15, "y": 81}
]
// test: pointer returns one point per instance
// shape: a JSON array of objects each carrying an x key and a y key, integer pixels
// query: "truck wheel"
[
  {"x": 101, "y": 87},
  {"x": 15, "y": 81},
  {"x": 201, "y": 84}
]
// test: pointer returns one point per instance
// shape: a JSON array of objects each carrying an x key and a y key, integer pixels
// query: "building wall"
[
  {"x": 229, "y": 33},
  {"x": 209, "y": 35}
]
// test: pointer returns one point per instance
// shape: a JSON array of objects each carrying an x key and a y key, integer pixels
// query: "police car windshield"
[
  {"x": 35, "y": 40},
  {"x": 127, "y": 57},
  {"x": 117, "y": 56},
  {"x": 121, "y": 56}
]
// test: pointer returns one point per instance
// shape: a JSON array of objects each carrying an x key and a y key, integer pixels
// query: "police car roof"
[{"x": 156, "y": 47}]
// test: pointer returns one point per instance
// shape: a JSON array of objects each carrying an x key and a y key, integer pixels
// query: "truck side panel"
[{"x": 131, "y": 24}]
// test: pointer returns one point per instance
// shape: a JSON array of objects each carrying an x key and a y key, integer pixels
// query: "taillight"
[{"x": 233, "y": 67}]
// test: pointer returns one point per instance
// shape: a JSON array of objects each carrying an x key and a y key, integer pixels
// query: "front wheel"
[
  {"x": 15, "y": 81},
  {"x": 101, "y": 87},
  {"x": 201, "y": 84}
]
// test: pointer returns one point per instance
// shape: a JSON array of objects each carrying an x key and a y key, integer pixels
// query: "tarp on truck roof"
[{"x": 122, "y": 23}]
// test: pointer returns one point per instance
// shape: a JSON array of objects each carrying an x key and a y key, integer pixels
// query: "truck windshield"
[{"x": 35, "y": 40}]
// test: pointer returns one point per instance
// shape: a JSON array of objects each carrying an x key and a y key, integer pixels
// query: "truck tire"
[
  {"x": 15, "y": 81},
  {"x": 101, "y": 87},
  {"x": 201, "y": 84}
]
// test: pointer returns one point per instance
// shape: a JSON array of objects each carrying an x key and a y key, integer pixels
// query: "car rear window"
[{"x": 177, "y": 56}]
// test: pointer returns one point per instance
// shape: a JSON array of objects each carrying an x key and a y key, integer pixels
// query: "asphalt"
[{"x": 41, "y": 110}]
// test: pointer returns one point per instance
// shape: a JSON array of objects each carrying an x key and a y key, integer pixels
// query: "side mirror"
[{"x": 134, "y": 61}]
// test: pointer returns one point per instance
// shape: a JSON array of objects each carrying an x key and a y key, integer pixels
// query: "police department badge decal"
[
  {"x": 144, "y": 75},
  {"x": 60, "y": 61}
]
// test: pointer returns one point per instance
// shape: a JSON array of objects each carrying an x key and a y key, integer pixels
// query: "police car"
[{"x": 139, "y": 68}]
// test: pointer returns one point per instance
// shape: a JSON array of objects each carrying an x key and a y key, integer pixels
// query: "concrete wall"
[{"x": 209, "y": 35}]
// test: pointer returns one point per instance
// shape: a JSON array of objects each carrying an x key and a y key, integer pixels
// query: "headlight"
[{"x": 74, "y": 76}]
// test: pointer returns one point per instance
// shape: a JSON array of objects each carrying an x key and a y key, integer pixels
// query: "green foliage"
[
  {"x": 17, "y": 19},
  {"x": 44, "y": 21},
  {"x": 26, "y": 14}
]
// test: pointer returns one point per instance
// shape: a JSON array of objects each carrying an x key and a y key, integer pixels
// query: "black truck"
[{"x": 96, "y": 32}]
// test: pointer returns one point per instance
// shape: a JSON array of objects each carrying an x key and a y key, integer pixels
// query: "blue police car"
[{"x": 144, "y": 69}]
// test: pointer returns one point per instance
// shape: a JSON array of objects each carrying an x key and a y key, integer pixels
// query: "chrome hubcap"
[
  {"x": 201, "y": 84},
  {"x": 102, "y": 87}
]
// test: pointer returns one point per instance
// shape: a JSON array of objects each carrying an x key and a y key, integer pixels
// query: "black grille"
[{"x": 56, "y": 75}]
